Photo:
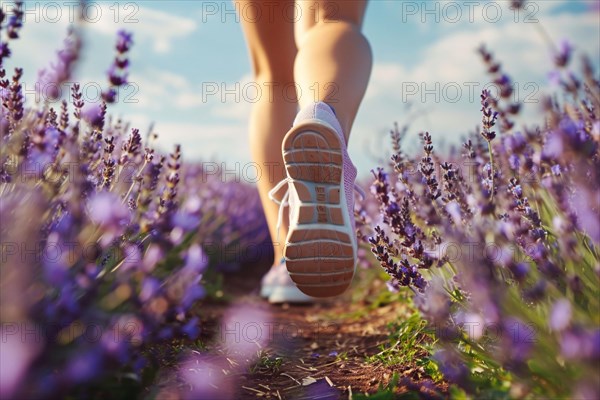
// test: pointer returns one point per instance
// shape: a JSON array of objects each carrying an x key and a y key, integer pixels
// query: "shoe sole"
[{"x": 319, "y": 250}]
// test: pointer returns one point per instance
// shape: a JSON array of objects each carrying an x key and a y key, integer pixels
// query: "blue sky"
[{"x": 425, "y": 66}]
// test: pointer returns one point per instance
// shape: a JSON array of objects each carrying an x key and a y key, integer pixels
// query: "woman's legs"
[
  {"x": 270, "y": 39},
  {"x": 333, "y": 64},
  {"x": 334, "y": 58}
]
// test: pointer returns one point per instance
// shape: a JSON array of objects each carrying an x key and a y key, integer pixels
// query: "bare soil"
[{"x": 316, "y": 351}]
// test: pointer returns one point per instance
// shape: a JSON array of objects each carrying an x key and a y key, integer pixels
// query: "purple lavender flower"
[
  {"x": 393, "y": 285},
  {"x": 117, "y": 73},
  {"x": 124, "y": 41},
  {"x": 196, "y": 259},
  {"x": 106, "y": 210},
  {"x": 452, "y": 366},
  {"x": 248, "y": 322},
  {"x": 517, "y": 4},
  {"x": 587, "y": 390},
  {"x": 489, "y": 116},
  {"x": 586, "y": 204},
  {"x": 4, "y": 51},
  {"x": 563, "y": 55},
  {"x": 51, "y": 79},
  {"x": 185, "y": 221},
  {"x": 117, "y": 269},
  {"x": 15, "y": 357},
  {"x": 84, "y": 366},
  {"x": 560, "y": 316},
  {"x": 110, "y": 213},
  {"x": 153, "y": 255},
  {"x": 577, "y": 343},
  {"x": 132, "y": 258},
  {"x": 514, "y": 162},
  {"x": 204, "y": 375},
  {"x": 501, "y": 265},
  {"x": 94, "y": 114},
  {"x": 150, "y": 287},
  {"x": 516, "y": 142},
  {"x": 519, "y": 270},
  {"x": 554, "y": 78},
  {"x": 518, "y": 340},
  {"x": 193, "y": 292},
  {"x": 434, "y": 303},
  {"x": 192, "y": 328},
  {"x": 116, "y": 79},
  {"x": 15, "y": 23}
]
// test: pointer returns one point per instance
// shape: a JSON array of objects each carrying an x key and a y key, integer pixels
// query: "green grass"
[
  {"x": 266, "y": 364},
  {"x": 411, "y": 343}
]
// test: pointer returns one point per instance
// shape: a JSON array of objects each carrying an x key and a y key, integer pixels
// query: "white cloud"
[
  {"x": 452, "y": 60},
  {"x": 173, "y": 80},
  {"x": 165, "y": 90},
  {"x": 451, "y": 57},
  {"x": 238, "y": 109},
  {"x": 46, "y": 27},
  {"x": 155, "y": 27},
  {"x": 381, "y": 77},
  {"x": 160, "y": 90},
  {"x": 223, "y": 142},
  {"x": 37, "y": 45},
  {"x": 189, "y": 99}
]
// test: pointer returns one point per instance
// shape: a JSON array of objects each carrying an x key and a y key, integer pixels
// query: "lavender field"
[{"x": 123, "y": 268}]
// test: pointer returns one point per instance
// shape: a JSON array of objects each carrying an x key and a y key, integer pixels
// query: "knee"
[
  {"x": 276, "y": 80},
  {"x": 272, "y": 75},
  {"x": 272, "y": 69}
]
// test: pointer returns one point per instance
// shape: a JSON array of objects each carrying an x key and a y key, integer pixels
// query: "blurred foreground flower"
[{"x": 104, "y": 253}]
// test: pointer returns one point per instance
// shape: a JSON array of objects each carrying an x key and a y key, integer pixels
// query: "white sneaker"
[
  {"x": 321, "y": 246},
  {"x": 278, "y": 287}
]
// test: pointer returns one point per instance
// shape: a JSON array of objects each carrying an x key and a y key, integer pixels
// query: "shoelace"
[{"x": 284, "y": 201}]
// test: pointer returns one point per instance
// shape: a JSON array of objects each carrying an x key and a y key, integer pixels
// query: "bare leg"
[
  {"x": 334, "y": 58},
  {"x": 270, "y": 40}
]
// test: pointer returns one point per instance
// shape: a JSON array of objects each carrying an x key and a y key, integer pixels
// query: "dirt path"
[{"x": 316, "y": 351}]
